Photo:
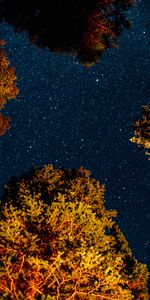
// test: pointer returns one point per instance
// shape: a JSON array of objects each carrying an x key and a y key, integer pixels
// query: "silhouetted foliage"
[
  {"x": 141, "y": 129},
  {"x": 8, "y": 89},
  {"x": 84, "y": 28},
  {"x": 58, "y": 241}
]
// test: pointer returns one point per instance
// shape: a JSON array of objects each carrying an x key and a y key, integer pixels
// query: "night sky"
[{"x": 68, "y": 115}]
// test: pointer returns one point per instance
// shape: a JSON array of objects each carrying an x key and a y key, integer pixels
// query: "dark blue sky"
[{"x": 69, "y": 115}]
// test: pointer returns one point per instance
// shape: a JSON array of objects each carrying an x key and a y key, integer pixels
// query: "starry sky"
[{"x": 69, "y": 115}]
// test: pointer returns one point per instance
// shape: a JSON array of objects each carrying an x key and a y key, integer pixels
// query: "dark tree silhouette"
[
  {"x": 58, "y": 241},
  {"x": 84, "y": 28}
]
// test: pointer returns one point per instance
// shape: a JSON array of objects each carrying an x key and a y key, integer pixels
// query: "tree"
[
  {"x": 58, "y": 241},
  {"x": 83, "y": 28},
  {"x": 8, "y": 89},
  {"x": 141, "y": 129},
  {"x": 4, "y": 124}
]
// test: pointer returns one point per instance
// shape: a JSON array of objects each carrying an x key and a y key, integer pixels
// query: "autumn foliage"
[
  {"x": 58, "y": 241},
  {"x": 83, "y": 28},
  {"x": 141, "y": 129},
  {"x": 4, "y": 124},
  {"x": 8, "y": 89}
]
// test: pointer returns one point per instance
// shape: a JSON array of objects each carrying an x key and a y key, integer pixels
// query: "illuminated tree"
[
  {"x": 83, "y": 28},
  {"x": 4, "y": 124},
  {"x": 8, "y": 89},
  {"x": 141, "y": 129},
  {"x": 58, "y": 241}
]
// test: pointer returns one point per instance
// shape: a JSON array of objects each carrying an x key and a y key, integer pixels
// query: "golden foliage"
[
  {"x": 4, "y": 124},
  {"x": 58, "y": 241},
  {"x": 141, "y": 129},
  {"x": 8, "y": 89}
]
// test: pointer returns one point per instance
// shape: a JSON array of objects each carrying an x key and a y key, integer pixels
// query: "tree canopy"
[
  {"x": 83, "y": 28},
  {"x": 8, "y": 88},
  {"x": 58, "y": 241},
  {"x": 141, "y": 129}
]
